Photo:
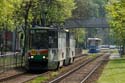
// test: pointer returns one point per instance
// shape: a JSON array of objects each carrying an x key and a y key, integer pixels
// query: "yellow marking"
[{"x": 33, "y": 52}]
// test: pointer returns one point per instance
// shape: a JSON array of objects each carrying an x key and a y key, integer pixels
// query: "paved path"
[
  {"x": 11, "y": 73},
  {"x": 9, "y": 53},
  {"x": 115, "y": 56}
]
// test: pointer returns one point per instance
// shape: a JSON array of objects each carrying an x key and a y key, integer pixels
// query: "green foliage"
[
  {"x": 55, "y": 11},
  {"x": 101, "y": 7},
  {"x": 89, "y": 8},
  {"x": 18, "y": 12},
  {"x": 59, "y": 10},
  {"x": 79, "y": 36},
  {"x": 6, "y": 11},
  {"x": 116, "y": 15}
]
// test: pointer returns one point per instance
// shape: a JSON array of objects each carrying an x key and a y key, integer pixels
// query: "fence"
[
  {"x": 9, "y": 58},
  {"x": 78, "y": 51}
]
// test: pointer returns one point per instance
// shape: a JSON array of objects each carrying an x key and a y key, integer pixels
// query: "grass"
[
  {"x": 85, "y": 51},
  {"x": 38, "y": 80},
  {"x": 41, "y": 79},
  {"x": 92, "y": 55},
  {"x": 114, "y": 50},
  {"x": 114, "y": 72}
]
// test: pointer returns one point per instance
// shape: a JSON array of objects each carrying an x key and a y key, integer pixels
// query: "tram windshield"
[
  {"x": 94, "y": 42},
  {"x": 38, "y": 39}
]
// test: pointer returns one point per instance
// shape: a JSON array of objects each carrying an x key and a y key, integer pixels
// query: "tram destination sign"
[{"x": 38, "y": 31}]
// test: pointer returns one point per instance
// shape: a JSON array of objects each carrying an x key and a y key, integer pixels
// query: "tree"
[
  {"x": 16, "y": 11},
  {"x": 6, "y": 14},
  {"x": 89, "y": 8},
  {"x": 79, "y": 37},
  {"x": 101, "y": 7},
  {"x": 55, "y": 11},
  {"x": 116, "y": 15}
]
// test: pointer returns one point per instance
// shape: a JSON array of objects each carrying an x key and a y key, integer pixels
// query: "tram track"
[
  {"x": 81, "y": 73},
  {"x": 25, "y": 77},
  {"x": 91, "y": 72}
]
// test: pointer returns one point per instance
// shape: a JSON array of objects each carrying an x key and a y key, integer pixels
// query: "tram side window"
[
  {"x": 97, "y": 42},
  {"x": 52, "y": 39}
]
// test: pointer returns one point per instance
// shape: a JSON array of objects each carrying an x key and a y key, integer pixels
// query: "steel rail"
[
  {"x": 91, "y": 72},
  {"x": 73, "y": 70}
]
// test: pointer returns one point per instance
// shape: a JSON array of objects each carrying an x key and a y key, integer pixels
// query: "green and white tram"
[{"x": 49, "y": 48}]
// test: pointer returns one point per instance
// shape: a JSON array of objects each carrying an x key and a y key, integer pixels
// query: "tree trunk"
[{"x": 27, "y": 8}]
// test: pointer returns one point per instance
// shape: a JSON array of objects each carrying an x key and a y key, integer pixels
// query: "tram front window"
[{"x": 38, "y": 39}]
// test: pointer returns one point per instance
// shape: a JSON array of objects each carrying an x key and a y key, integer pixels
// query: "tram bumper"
[{"x": 37, "y": 64}]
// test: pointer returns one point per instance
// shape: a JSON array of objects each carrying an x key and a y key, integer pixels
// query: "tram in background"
[
  {"x": 49, "y": 48},
  {"x": 93, "y": 45}
]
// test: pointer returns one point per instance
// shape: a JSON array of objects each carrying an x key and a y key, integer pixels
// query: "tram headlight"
[
  {"x": 32, "y": 57},
  {"x": 44, "y": 57}
]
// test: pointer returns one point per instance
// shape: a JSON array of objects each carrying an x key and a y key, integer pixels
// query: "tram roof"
[
  {"x": 50, "y": 28},
  {"x": 38, "y": 27},
  {"x": 94, "y": 39}
]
